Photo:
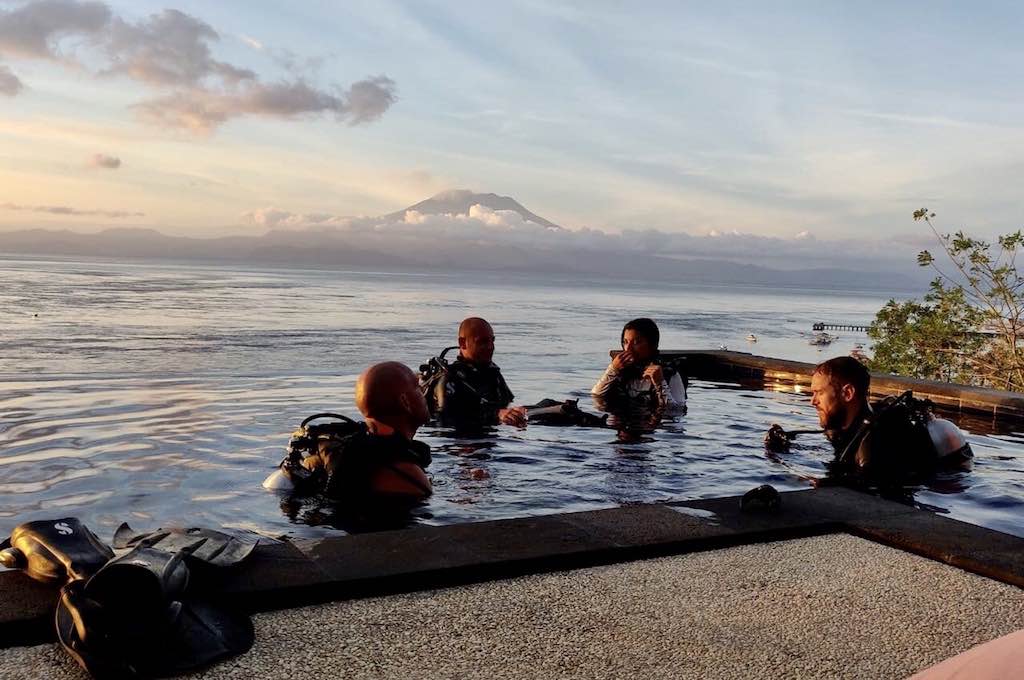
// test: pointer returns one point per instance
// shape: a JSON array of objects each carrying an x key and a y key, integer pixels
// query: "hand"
[
  {"x": 514, "y": 415},
  {"x": 654, "y": 374},
  {"x": 622, "y": 360}
]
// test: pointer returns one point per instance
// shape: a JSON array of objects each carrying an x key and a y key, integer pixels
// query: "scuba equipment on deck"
[
  {"x": 209, "y": 547},
  {"x": 763, "y": 498},
  {"x": 134, "y": 615},
  {"x": 568, "y": 412},
  {"x": 54, "y": 551}
]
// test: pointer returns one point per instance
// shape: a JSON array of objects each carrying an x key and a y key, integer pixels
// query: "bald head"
[
  {"x": 476, "y": 340},
  {"x": 389, "y": 393}
]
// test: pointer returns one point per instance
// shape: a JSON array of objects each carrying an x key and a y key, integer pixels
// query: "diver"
[
  {"x": 470, "y": 392},
  {"x": 377, "y": 460},
  {"x": 637, "y": 376},
  {"x": 896, "y": 441}
]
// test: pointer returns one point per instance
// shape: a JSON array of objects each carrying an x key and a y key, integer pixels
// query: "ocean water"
[{"x": 163, "y": 394}]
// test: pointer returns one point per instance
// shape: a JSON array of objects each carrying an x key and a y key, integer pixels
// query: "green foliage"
[
  {"x": 927, "y": 339},
  {"x": 970, "y": 325}
]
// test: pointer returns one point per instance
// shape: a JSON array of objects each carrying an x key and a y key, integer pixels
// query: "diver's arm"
[{"x": 606, "y": 383}]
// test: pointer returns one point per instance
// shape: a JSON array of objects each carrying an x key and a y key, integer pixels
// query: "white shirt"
[{"x": 671, "y": 393}]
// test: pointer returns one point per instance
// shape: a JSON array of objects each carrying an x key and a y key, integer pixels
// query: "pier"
[{"x": 838, "y": 327}]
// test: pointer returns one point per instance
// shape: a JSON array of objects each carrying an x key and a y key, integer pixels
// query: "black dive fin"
[
  {"x": 129, "y": 620},
  {"x": 564, "y": 413},
  {"x": 205, "y": 545},
  {"x": 54, "y": 551}
]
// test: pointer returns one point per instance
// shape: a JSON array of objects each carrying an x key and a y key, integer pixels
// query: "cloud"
[
  {"x": 34, "y": 30},
  {"x": 10, "y": 84},
  {"x": 251, "y": 41},
  {"x": 367, "y": 100},
  {"x": 100, "y": 160},
  {"x": 171, "y": 48},
  {"x": 172, "y": 53},
  {"x": 413, "y": 233},
  {"x": 201, "y": 111},
  {"x": 67, "y": 210}
]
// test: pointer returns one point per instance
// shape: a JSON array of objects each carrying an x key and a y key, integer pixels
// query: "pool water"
[{"x": 164, "y": 395}]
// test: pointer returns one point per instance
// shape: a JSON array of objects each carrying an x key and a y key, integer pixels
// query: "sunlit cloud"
[
  {"x": 202, "y": 110},
  {"x": 170, "y": 48},
  {"x": 172, "y": 52},
  {"x": 69, "y": 211},
  {"x": 33, "y": 31},
  {"x": 100, "y": 160}
]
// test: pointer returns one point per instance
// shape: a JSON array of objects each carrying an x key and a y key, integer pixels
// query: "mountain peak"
[{"x": 459, "y": 201}]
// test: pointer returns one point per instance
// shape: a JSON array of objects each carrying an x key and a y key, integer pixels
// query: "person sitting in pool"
[
  {"x": 472, "y": 392},
  {"x": 894, "y": 442},
  {"x": 380, "y": 460},
  {"x": 637, "y": 376}
]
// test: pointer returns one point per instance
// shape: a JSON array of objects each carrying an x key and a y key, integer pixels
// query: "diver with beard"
[
  {"x": 896, "y": 441},
  {"x": 637, "y": 376}
]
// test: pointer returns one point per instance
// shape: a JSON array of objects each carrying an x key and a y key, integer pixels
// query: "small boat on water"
[
  {"x": 751, "y": 338},
  {"x": 822, "y": 339}
]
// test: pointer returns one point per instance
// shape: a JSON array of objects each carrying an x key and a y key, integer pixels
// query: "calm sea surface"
[{"x": 164, "y": 394}]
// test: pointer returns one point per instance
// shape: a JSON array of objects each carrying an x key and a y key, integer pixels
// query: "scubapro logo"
[{"x": 63, "y": 529}]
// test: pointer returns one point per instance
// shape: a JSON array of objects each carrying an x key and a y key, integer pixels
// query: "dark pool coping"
[
  {"x": 304, "y": 572},
  {"x": 732, "y": 365}
]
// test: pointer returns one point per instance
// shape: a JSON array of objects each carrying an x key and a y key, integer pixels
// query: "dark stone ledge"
[{"x": 309, "y": 571}]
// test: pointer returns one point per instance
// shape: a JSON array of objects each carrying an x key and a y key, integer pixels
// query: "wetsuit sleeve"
[
  {"x": 603, "y": 386},
  {"x": 506, "y": 394}
]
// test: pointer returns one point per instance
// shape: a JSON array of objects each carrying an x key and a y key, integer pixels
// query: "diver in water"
[
  {"x": 637, "y": 376},
  {"x": 898, "y": 440},
  {"x": 471, "y": 392},
  {"x": 377, "y": 460}
]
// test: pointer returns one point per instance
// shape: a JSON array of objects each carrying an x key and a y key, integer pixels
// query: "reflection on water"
[
  {"x": 165, "y": 395},
  {"x": 188, "y": 452}
]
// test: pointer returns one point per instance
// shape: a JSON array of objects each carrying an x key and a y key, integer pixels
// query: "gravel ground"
[{"x": 833, "y": 606}]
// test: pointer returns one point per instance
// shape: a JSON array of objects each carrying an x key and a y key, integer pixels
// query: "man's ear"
[
  {"x": 403, "y": 400},
  {"x": 848, "y": 392}
]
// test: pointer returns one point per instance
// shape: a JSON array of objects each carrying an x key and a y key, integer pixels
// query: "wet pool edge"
[{"x": 304, "y": 572}]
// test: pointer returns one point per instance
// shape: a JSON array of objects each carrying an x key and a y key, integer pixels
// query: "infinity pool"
[{"x": 156, "y": 452}]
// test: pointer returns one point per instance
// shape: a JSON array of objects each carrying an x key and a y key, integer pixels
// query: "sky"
[{"x": 785, "y": 120}]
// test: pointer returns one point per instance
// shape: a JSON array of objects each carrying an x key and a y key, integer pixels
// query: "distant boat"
[
  {"x": 751, "y": 338},
  {"x": 822, "y": 339}
]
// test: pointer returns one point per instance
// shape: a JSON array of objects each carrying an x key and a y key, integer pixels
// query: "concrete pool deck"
[
  {"x": 825, "y": 607},
  {"x": 696, "y": 588}
]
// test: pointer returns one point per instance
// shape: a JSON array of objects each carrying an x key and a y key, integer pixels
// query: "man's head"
[
  {"x": 476, "y": 340},
  {"x": 389, "y": 393},
  {"x": 839, "y": 391},
  {"x": 640, "y": 337}
]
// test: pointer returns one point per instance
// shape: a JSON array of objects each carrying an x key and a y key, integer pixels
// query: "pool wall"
[
  {"x": 290, "y": 574},
  {"x": 730, "y": 366}
]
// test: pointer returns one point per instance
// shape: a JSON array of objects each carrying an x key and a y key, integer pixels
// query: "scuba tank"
[
  {"x": 902, "y": 439},
  {"x": 431, "y": 375},
  {"x": 305, "y": 441},
  {"x": 54, "y": 551}
]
